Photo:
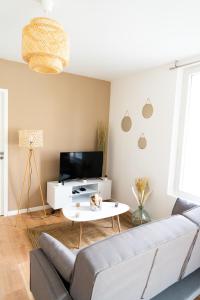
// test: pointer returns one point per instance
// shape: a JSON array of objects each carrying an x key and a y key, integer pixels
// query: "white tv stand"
[{"x": 60, "y": 196}]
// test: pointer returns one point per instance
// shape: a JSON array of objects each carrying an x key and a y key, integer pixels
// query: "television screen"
[{"x": 80, "y": 165}]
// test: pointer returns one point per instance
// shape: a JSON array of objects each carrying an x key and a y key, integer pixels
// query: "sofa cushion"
[
  {"x": 182, "y": 205},
  {"x": 45, "y": 282},
  {"x": 186, "y": 289},
  {"x": 193, "y": 215},
  {"x": 60, "y": 256},
  {"x": 114, "y": 258},
  {"x": 193, "y": 262}
]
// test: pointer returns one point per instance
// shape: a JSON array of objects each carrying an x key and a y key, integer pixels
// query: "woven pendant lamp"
[{"x": 44, "y": 46}]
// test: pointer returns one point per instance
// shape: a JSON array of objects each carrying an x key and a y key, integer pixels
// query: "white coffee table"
[{"x": 84, "y": 214}]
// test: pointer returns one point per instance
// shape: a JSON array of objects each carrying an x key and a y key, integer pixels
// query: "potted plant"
[{"x": 141, "y": 192}]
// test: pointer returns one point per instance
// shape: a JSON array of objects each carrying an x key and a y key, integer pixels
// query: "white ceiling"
[{"x": 111, "y": 38}]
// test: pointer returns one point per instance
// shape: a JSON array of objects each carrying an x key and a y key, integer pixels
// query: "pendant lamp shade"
[{"x": 44, "y": 46}]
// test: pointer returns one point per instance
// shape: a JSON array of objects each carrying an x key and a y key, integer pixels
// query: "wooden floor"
[{"x": 14, "y": 255}]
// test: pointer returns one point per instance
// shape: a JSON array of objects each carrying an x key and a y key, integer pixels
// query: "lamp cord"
[{"x": 47, "y": 6}]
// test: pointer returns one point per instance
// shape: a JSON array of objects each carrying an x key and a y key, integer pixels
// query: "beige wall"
[
  {"x": 67, "y": 108},
  {"x": 125, "y": 160}
]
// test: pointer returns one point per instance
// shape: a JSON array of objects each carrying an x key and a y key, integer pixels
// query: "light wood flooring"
[
  {"x": 14, "y": 252},
  {"x": 14, "y": 255}
]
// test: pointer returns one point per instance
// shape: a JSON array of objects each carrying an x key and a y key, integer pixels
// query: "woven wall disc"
[
  {"x": 126, "y": 123},
  {"x": 142, "y": 142},
  {"x": 147, "y": 110}
]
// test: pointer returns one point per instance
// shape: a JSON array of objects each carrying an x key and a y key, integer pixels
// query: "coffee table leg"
[
  {"x": 80, "y": 234},
  {"x": 112, "y": 220},
  {"x": 118, "y": 223}
]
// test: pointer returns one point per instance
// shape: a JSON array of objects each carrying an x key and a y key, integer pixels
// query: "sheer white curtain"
[{"x": 189, "y": 180}]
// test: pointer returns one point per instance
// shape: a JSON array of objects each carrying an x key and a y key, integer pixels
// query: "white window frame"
[{"x": 181, "y": 110}]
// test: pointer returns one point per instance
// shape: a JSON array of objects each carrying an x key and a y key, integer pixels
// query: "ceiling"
[{"x": 111, "y": 38}]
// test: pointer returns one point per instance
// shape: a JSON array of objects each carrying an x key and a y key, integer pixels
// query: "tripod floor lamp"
[{"x": 30, "y": 139}]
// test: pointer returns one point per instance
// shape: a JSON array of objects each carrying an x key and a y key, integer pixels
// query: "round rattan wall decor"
[
  {"x": 126, "y": 123},
  {"x": 142, "y": 142},
  {"x": 147, "y": 110}
]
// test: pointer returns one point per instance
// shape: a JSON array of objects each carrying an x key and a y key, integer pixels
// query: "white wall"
[{"x": 126, "y": 161}]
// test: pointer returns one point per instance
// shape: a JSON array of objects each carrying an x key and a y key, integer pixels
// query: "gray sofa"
[{"x": 159, "y": 260}]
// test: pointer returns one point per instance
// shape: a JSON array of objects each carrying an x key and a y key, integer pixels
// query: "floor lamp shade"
[{"x": 31, "y": 138}]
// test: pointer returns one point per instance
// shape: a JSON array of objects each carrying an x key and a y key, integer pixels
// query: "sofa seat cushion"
[
  {"x": 194, "y": 258},
  {"x": 186, "y": 289},
  {"x": 60, "y": 256},
  {"x": 193, "y": 215}
]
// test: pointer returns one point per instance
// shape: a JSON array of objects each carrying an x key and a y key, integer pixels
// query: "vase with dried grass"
[
  {"x": 141, "y": 192},
  {"x": 102, "y": 134},
  {"x": 102, "y": 131}
]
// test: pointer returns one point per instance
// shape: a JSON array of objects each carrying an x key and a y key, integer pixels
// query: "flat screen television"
[{"x": 80, "y": 165}]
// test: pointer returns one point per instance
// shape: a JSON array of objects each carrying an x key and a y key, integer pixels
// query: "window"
[{"x": 187, "y": 162}]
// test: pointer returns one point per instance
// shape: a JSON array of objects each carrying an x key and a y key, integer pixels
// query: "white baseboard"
[{"x": 24, "y": 210}]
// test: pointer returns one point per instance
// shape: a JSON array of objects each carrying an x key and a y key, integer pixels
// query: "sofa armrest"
[
  {"x": 45, "y": 282},
  {"x": 60, "y": 256},
  {"x": 182, "y": 205}
]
